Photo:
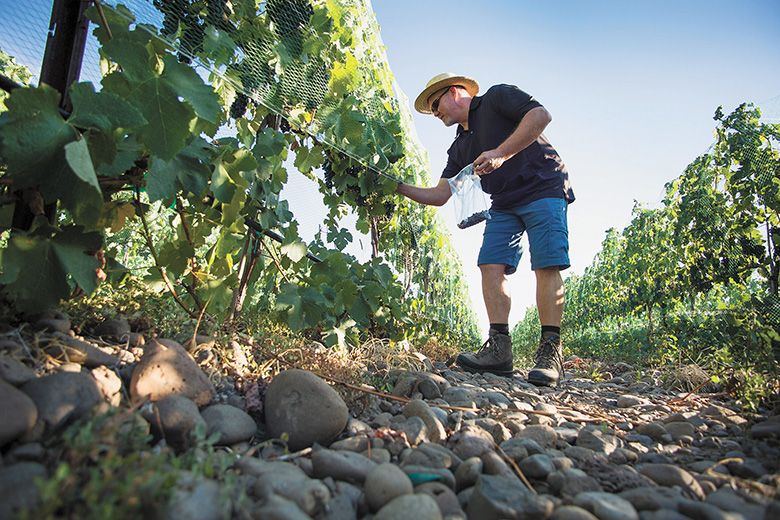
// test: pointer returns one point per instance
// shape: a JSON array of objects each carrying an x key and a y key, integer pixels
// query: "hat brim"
[{"x": 421, "y": 103}]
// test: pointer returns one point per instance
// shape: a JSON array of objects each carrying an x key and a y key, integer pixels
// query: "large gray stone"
[
  {"x": 572, "y": 513},
  {"x": 543, "y": 434},
  {"x": 671, "y": 475},
  {"x": 422, "y": 506},
  {"x": 175, "y": 418},
  {"x": 302, "y": 405},
  {"x": 17, "y": 413},
  {"x": 18, "y": 491},
  {"x": 419, "y": 408},
  {"x": 496, "y": 497},
  {"x": 606, "y": 506},
  {"x": 384, "y": 483},
  {"x": 167, "y": 369},
  {"x": 233, "y": 424},
  {"x": 341, "y": 465},
  {"x": 471, "y": 441},
  {"x": 14, "y": 371},
  {"x": 196, "y": 499},
  {"x": 78, "y": 351},
  {"x": 62, "y": 397},
  {"x": 568, "y": 483}
]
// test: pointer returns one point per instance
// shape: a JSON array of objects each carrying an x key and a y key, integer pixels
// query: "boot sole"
[
  {"x": 480, "y": 370},
  {"x": 543, "y": 382}
]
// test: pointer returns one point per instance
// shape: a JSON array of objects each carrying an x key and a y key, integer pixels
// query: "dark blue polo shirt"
[{"x": 537, "y": 172}]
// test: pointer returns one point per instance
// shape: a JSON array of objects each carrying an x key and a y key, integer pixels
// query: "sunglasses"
[{"x": 435, "y": 104}]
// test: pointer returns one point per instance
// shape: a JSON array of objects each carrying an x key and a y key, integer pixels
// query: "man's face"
[{"x": 442, "y": 106}]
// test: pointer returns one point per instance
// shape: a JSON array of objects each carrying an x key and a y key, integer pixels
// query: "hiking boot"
[
  {"x": 549, "y": 362},
  {"x": 494, "y": 356}
]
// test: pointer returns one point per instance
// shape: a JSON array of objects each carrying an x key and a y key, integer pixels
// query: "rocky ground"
[{"x": 440, "y": 443}]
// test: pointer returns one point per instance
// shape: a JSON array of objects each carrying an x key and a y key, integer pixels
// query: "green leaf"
[
  {"x": 132, "y": 56},
  {"x": 186, "y": 82},
  {"x": 33, "y": 135},
  {"x": 189, "y": 169},
  {"x": 169, "y": 118},
  {"x": 295, "y": 251},
  {"x": 345, "y": 76},
  {"x": 306, "y": 159},
  {"x": 36, "y": 265},
  {"x": 77, "y": 156},
  {"x": 102, "y": 111},
  {"x": 270, "y": 144}
]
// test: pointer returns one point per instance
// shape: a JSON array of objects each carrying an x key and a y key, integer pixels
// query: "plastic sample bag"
[{"x": 471, "y": 206}]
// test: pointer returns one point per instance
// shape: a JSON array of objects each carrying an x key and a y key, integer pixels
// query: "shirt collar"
[{"x": 475, "y": 102}]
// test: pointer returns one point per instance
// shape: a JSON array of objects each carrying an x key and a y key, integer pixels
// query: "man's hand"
[{"x": 488, "y": 161}]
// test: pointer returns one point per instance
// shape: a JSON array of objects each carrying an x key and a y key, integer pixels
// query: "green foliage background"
[
  {"x": 162, "y": 170},
  {"x": 695, "y": 280}
]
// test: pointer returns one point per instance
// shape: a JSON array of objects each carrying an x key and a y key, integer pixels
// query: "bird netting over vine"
[{"x": 295, "y": 58}]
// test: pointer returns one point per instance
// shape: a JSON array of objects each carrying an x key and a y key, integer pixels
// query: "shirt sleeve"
[
  {"x": 453, "y": 165},
  {"x": 511, "y": 102}
]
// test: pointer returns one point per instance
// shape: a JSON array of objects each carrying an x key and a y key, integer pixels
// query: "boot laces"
[
  {"x": 549, "y": 355},
  {"x": 490, "y": 346}
]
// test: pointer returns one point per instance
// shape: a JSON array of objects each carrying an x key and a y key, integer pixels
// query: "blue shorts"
[{"x": 548, "y": 235}]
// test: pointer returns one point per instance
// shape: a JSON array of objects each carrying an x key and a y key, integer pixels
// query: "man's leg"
[
  {"x": 549, "y": 296},
  {"x": 548, "y": 366},
  {"x": 496, "y": 354},
  {"x": 498, "y": 257},
  {"x": 548, "y": 239},
  {"x": 495, "y": 292}
]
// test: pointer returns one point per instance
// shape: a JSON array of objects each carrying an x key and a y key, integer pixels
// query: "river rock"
[
  {"x": 496, "y": 497},
  {"x": 109, "y": 384},
  {"x": 233, "y": 424},
  {"x": 568, "y": 483},
  {"x": 766, "y": 429},
  {"x": 471, "y": 441},
  {"x": 606, "y": 506},
  {"x": 445, "y": 498},
  {"x": 467, "y": 473},
  {"x": 537, "y": 466},
  {"x": 62, "y": 397},
  {"x": 384, "y": 483},
  {"x": 78, "y": 351},
  {"x": 14, "y": 371},
  {"x": 542, "y": 434},
  {"x": 671, "y": 475},
  {"x": 17, "y": 490},
  {"x": 419, "y": 408},
  {"x": 275, "y": 507},
  {"x": 679, "y": 429},
  {"x": 341, "y": 465},
  {"x": 630, "y": 401},
  {"x": 572, "y": 513},
  {"x": 17, "y": 413},
  {"x": 112, "y": 328},
  {"x": 167, "y": 369},
  {"x": 175, "y": 418},
  {"x": 302, "y": 405},
  {"x": 195, "y": 499},
  {"x": 422, "y": 506}
]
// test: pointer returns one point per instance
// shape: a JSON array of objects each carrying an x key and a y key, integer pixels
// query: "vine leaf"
[
  {"x": 102, "y": 111},
  {"x": 33, "y": 135},
  {"x": 36, "y": 265},
  {"x": 186, "y": 82}
]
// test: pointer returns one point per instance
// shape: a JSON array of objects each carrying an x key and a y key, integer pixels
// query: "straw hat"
[{"x": 438, "y": 82}]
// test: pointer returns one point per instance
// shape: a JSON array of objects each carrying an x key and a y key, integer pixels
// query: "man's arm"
[
  {"x": 530, "y": 128},
  {"x": 436, "y": 196}
]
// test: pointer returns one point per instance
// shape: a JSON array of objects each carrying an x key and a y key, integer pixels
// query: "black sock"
[
  {"x": 501, "y": 328},
  {"x": 550, "y": 330}
]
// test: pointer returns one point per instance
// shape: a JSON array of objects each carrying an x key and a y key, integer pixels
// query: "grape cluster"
[
  {"x": 238, "y": 108},
  {"x": 327, "y": 169},
  {"x": 389, "y": 208}
]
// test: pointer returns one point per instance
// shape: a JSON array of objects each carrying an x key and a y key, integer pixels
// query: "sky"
[{"x": 632, "y": 88}]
